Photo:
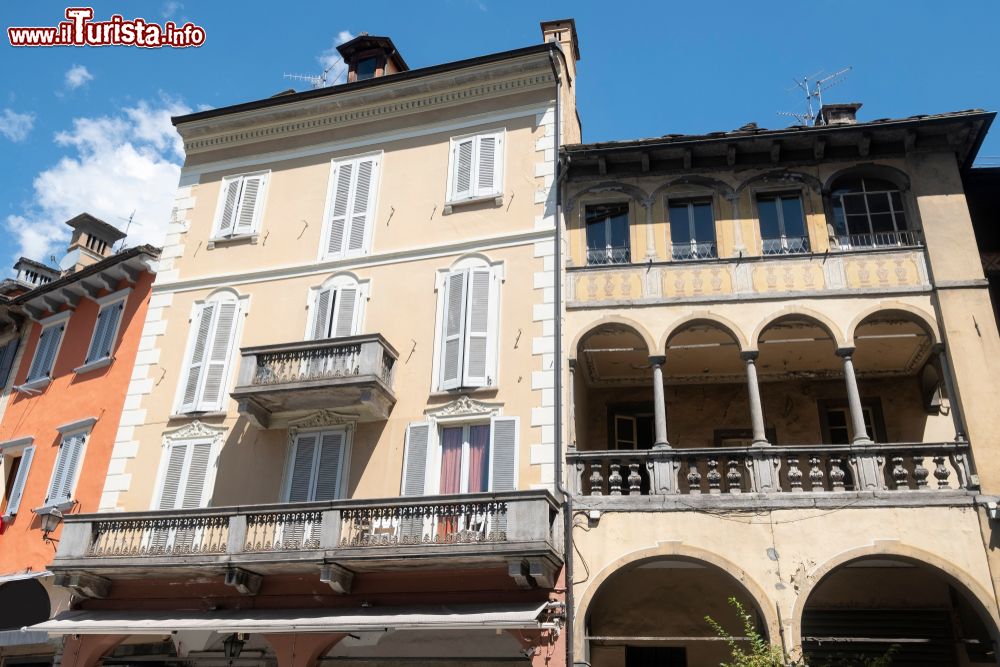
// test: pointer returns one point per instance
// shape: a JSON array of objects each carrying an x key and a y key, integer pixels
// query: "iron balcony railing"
[
  {"x": 785, "y": 245},
  {"x": 688, "y": 251},
  {"x": 903, "y": 238},
  {"x": 617, "y": 255}
]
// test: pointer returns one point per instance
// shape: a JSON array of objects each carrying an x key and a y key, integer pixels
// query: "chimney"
[
  {"x": 34, "y": 273},
  {"x": 563, "y": 32},
  {"x": 369, "y": 57},
  {"x": 92, "y": 241},
  {"x": 838, "y": 114}
]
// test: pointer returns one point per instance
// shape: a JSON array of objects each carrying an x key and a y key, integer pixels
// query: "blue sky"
[{"x": 86, "y": 128}]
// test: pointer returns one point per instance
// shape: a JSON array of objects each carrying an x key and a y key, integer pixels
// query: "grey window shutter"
[
  {"x": 202, "y": 323},
  {"x": 321, "y": 314},
  {"x": 171, "y": 486},
  {"x": 362, "y": 205},
  {"x": 64, "y": 472},
  {"x": 346, "y": 307},
  {"x": 105, "y": 329},
  {"x": 487, "y": 165},
  {"x": 230, "y": 198},
  {"x": 194, "y": 485},
  {"x": 453, "y": 330},
  {"x": 217, "y": 364},
  {"x": 7, "y": 354},
  {"x": 300, "y": 473},
  {"x": 415, "y": 458},
  {"x": 248, "y": 212},
  {"x": 52, "y": 348},
  {"x": 343, "y": 175},
  {"x": 462, "y": 184},
  {"x": 45, "y": 353},
  {"x": 503, "y": 453},
  {"x": 17, "y": 490},
  {"x": 329, "y": 467},
  {"x": 477, "y": 329}
]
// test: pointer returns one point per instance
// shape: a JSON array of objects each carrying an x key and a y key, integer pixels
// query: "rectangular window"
[
  {"x": 240, "y": 204},
  {"x": 465, "y": 459},
  {"x": 102, "y": 343},
  {"x": 66, "y": 469},
  {"x": 365, "y": 69},
  {"x": 316, "y": 466},
  {"x": 782, "y": 224},
  {"x": 838, "y": 429},
  {"x": 608, "y": 234},
  {"x": 16, "y": 465},
  {"x": 183, "y": 485},
  {"x": 476, "y": 166},
  {"x": 350, "y": 208},
  {"x": 8, "y": 352},
  {"x": 46, "y": 351},
  {"x": 468, "y": 309},
  {"x": 212, "y": 338},
  {"x": 692, "y": 229}
]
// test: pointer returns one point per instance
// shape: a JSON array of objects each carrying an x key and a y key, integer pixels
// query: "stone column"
[
  {"x": 949, "y": 385},
  {"x": 853, "y": 397},
  {"x": 756, "y": 408},
  {"x": 571, "y": 402},
  {"x": 650, "y": 233},
  {"x": 659, "y": 404}
]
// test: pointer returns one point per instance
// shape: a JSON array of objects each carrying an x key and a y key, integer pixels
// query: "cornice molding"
[{"x": 332, "y": 112}]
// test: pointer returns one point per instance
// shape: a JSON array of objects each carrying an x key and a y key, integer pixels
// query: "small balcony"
[
  {"x": 352, "y": 374},
  {"x": 471, "y": 530}
]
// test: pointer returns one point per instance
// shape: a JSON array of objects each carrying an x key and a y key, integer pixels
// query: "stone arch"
[
  {"x": 591, "y": 327},
  {"x": 341, "y": 278},
  {"x": 708, "y": 317},
  {"x": 636, "y": 194},
  {"x": 676, "y": 549},
  {"x": 883, "y": 171},
  {"x": 782, "y": 176},
  {"x": 979, "y": 596},
  {"x": 921, "y": 317},
  {"x": 720, "y": 187},
  {"x": 820, "y": 319}
]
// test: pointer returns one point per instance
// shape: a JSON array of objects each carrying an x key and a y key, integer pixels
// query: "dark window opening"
[
  {"x": 782, "y": 224},
  {"x": 692, "y": 229},
  {"x": 869, "y": 212},
  {"x": 365, "y": 69},
  {"x": 655, "y": 656},
  {"x": 607, "y": 234}
]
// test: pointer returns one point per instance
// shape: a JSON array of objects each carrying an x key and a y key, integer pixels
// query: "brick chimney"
[
  {"x": 92, "y": 240},
  {"x": 838, "y": 114},
  {"x": 563, "y": 32},
  {"x": 369, "y": 57}
]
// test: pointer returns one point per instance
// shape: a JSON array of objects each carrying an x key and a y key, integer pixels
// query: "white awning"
[
  {"x": 459, "y": 617},
  {"x": 23, "y": 575}
]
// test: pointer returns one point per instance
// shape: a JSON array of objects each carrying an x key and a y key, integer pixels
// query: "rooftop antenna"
[
  {"x": 128, "y": 223},
  {"x": 315, "y": 81},
  {"x": 813, "y": 87}
]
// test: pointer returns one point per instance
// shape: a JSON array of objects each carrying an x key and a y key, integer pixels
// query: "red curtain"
[
  {"x": 451, "y": 460},
  {"x": 479, "y": 459}
]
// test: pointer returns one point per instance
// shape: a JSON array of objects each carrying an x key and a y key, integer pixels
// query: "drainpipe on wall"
[{"x": 567, "y": 499}]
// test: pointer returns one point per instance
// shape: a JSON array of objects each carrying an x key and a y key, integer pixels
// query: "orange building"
[{"x": 71, "y": 362}]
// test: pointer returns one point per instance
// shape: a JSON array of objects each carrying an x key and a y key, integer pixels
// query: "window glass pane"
[
  {"x": 839, "y": 222},
  {"x": 366, "y": 68},
  {"x": 451, "y": 460},
  {"x": 618, "y": 229},
  {"x": 897, "y": 207},
  {"x": 878, "y": 203},
  {"x": 882, "y": 223},
  {"x": 767, "y": 209},
  {"x": 791, "y": 214},
  {"x": 858, "y": 224},
  {"x": 704, "y": 224},
  {"x": 855, "y": 205},
  {"x": 596, "y": 235},
  {"x": 679, "y": 224}
]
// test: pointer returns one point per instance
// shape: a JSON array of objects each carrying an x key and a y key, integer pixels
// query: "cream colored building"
[
  {"x": 348, "y": 361},
  {"x": 781, "y": 361}
]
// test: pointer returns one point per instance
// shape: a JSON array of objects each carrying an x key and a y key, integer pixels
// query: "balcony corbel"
[
  {"x": 338, "y": 578},
  {"x": 85, "y": 585},
  {"x": 244, "y": 581}
]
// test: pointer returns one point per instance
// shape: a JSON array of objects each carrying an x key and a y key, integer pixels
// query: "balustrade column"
[
  {"x": 756, "y": 407},
  {"x": 853, "y": 397},
  {"x": 659, "y": 404},
  {"x": 949, "y": 385}
]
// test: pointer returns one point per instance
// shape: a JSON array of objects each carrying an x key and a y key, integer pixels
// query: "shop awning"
[
  {"x": 529, "y": 616},
  {"x": 24, "y": 575}
]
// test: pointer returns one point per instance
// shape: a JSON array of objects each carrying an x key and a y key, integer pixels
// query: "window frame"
[
  {"x": 870, "y": 405},
  {"x": 344, "y": 478},
  {"x": 837, "y": 203},
  {"x": 609, "y": 250},
  {"x": 217, "y": 235},
  {"x": 499, "y": 164},
  {"x": 694, "y": 247},
  {"x": 466, "y": 427},
  {"x": 345, "y": 252},
  {"x": 783, "y": 237}
]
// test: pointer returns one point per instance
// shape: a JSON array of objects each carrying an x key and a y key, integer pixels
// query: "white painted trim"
[
  {"x": 72, "y": 427},
  {"x": 93, "y": 365},
  {"x": 20, "y": 443},
  {"x": 449, "y": 198},
  {"x": 192, "y": 174}
]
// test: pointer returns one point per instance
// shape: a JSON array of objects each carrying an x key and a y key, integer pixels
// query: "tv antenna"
[
  {"x": 128, "y": 223},
  {"x": 316, "y": 81},
  {"x": 813, "y": 87}
]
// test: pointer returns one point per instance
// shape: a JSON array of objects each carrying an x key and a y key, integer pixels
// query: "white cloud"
[
  {"x": 112, "y": 166},
  {"x": 170, "y": 8},
  {"x": 76, "y": 76},
  {"x": 331, "y": 62},
  {"x": 16, "y": 126}
]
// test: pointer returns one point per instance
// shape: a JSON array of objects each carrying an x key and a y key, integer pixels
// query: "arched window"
[
  {"x": 211, "y": 344},
  {"x": 338, "y": 308},
  {"x": 869, "y": 212}
]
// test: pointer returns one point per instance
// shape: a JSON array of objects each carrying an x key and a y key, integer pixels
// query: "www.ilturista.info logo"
[{"x": 81, "y": 30}]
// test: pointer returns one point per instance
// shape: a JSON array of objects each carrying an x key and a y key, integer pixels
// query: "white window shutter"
[
  {"x": 17, "y": 490},
  {"x": 477, "y": 329},
  {"x": 217, "y": 362},
  {"x": 362, "y": 204},
  {"x": 53, "y": 347},
  {"x": 462, "y": 169},
  {"x": 453, "y": 329},
  {"x": 301, "y": 469},
  {"x": 321, "y": 314},
  {"x": 418, "y": 435},
  {"x": 249, "y": 208},
  {"x": 345, "y": 312},
  {"x": 170, "y": 488},
  {"x": 202, "y": 325},
  {"x": 503, "y": 453},
  {"x": 105, "y": 329},
  {"x": 329, "y": 466},
  {"x": 7, "y": 354},
  {"x": 230, "y": 200},
  {"x": 45, "y": 352},
  {"x": 342, "y": 180},
  {"x": 197, "y": 473},
  {"x": 489, "y": 166},
  {"x": 64, "y": 472}
]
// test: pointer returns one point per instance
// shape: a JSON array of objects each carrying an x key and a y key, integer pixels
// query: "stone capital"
[
  {"x": 844, "y": 352},
  {"x": 657, "y": 360},
  {"x": 749, "y": 355}
]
